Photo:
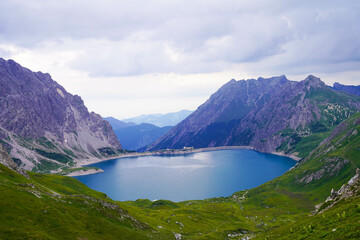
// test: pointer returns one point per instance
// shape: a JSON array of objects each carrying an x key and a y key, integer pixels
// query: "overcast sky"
[{"x": 127, "y": 58}]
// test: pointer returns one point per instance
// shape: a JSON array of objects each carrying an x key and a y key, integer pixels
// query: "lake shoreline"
[{"x": 168, "y": 152}]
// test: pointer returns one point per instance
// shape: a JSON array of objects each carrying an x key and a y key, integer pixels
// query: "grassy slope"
[
  {"x": 339, "y": 222},
  {"x": 57, "y": 207}
]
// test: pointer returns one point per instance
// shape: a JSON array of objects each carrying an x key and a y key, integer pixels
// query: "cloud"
[
  {"x": 146, "y": 52},
  {"x": 115, "y": 38}
]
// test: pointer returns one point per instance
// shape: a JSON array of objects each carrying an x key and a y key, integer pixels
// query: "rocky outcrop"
[
  {"x": 331, "y": 166},
  {"x": 7, "y": 161},
  {"x": 270, "y": 115},
  {"x": 346, "y": 190},
  {"x": 43, "y": 126},
  {"x": 351, "y": 188}
]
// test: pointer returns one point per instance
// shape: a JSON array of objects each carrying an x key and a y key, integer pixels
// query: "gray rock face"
[
  {"x": 268, "y": 114},
  {"x": 42, "y": 124},
  {"x": 332, "y": 166}
]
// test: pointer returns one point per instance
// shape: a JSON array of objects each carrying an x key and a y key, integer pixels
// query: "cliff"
[{"x": 44, "y": 127}]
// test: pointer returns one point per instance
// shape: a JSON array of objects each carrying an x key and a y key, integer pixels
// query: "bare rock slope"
[{"x": 44, "y": 127}]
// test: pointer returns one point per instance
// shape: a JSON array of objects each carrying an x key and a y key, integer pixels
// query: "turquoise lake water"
[{"x": 186, "y": 177}]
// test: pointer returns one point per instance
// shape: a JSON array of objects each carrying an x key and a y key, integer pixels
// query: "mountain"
[
  {"x": 116, "y": 124},
  {"x": 355, "y": 90},
  {"x": 44, "y": 127},
  {"x": 269, "y": 114},
  {"x": 161, "y": 120},
  {"x": 140, "y": 136},
  {"x": 297, "y": 205},
  {"x": 296, "y": 119},
  {"x": 213, "y": 120}
]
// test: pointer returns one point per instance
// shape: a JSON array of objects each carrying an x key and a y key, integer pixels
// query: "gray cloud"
[{"x": 120, "y": 38}]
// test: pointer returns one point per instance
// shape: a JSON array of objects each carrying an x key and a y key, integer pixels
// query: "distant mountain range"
[
  {"x": 44, "y": 127},
  {"x": 269, "y": 114},
  {"x": 161, "y": 120},
  {"x": 116, "y": 123},
  {"x": 137, "y": 133},
  {"x": 355, "y": 90},
  {"x": 136, "y": 137}
]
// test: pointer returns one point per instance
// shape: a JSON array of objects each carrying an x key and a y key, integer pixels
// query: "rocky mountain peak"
[
  {"x": 336, "y": 84},
  {"x": 312, "y": 81},
  {"x": 274, "y": 80}
]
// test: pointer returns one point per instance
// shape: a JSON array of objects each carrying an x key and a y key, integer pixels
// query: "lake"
[{"x": 186, "y": 177}]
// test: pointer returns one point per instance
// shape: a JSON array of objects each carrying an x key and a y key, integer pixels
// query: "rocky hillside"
[
  {"x": 44, "y": 127},
  {"x": 7, "y": 161},
  {"x": 271, "y": 115}
]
